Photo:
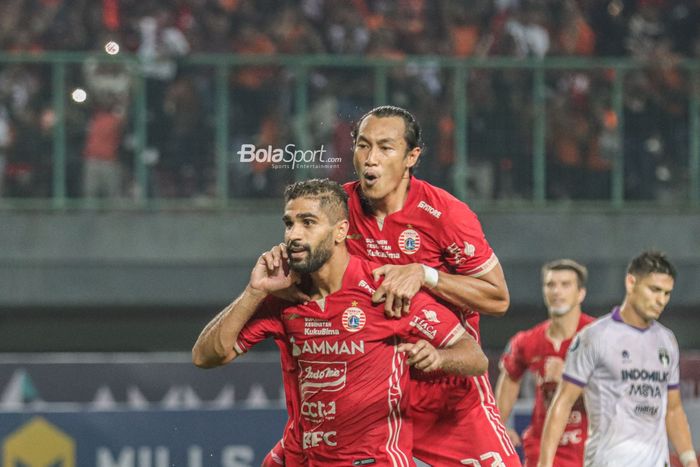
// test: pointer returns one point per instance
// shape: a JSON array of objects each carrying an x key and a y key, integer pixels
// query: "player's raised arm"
[
  {"x": 565, "y": 397},
  {"x": 215, "y": 344}
]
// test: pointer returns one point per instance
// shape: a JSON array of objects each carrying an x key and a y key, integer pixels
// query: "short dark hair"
[
  {"x": 332, "y": 197},
  {"x": 565, "y": 264},
  {"x": 649, "y": 262},
  {"x": 412, "y": 134}
]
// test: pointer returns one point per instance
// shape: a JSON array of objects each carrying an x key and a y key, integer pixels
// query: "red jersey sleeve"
[
  {"x": 431, "y": 321},
  {"x": 463, "y": 242},
  {"x": 266, "y": 322},
  {"x": 513, "y": 358}
]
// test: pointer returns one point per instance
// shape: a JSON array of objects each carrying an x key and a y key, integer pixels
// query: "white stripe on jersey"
[
  {"x": 275, "y": 458},
  {"x": 394, "y": 419},
  {"x": 452, "y": 336},
  {"x": 488, "y": 406},
  {"x": 483, "y": 268},
  {"x": 494, "y": 420},
  {"x": 472, "y": 332}
]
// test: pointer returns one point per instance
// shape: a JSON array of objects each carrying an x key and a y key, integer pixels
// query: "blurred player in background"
[
  {"x": 352, "y": 374},
  {"x": 542, "y": 349},
  {"x": 430, "y": 240},
  {"x": 626, "y": 365}
]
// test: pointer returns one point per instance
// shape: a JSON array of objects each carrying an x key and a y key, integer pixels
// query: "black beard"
[{"x": 316, "y": 257}]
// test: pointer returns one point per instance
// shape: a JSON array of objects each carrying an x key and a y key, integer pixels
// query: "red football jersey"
[
  {"x": 436, "y": 229},
  {"x": 266, "y": 323},
  {"x": 433, "y": 228},
  {"x": 533, "y": 350},
  {"x": 352, "y": 380}
]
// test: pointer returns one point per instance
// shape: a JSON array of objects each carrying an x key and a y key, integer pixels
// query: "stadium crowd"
[{"x": 580, "y": 128}]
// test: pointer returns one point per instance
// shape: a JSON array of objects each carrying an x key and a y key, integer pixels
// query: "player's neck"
[
  {"x": 629, "y": 316},
  {"x": 393, "y": 201},
  {"x": 564, "y": 327},
  {"x": 329, "y": 277}
]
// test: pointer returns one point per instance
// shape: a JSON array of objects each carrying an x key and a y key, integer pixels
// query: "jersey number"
[{"x": 496, "y": 460}]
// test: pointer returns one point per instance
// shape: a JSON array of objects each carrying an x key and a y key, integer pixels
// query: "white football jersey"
[{"x": 627, "y": 373}]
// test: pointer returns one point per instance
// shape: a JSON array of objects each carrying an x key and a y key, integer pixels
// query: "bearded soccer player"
[
  {"x": 352, "y": 362},
  {"x": 542, "y": 350},
  {"x": 429, "y": 240},
  {"x": 626, "y": 365}
]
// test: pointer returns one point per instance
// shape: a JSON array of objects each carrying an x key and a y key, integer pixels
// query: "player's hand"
[
  {"x": 514, "y": 437},
  {"x": 271, "y": 273},
  {"x": 400, "y": 284},
  {"x": 293, "y": 293},
  {"x": 422, "y": 355}
]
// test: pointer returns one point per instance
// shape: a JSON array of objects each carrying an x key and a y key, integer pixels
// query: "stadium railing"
[{"x": 459, "y": 71}]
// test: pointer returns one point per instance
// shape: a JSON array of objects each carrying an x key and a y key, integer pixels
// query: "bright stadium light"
[
  {"x": 112, "y": 48},
  {"x": 79, "y": 95}
]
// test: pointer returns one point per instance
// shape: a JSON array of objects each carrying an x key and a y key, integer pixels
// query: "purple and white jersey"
[{"x": 626, "y": 373}]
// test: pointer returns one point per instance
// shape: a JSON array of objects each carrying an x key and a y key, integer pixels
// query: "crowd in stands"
[{"x": 581, "y": 125}]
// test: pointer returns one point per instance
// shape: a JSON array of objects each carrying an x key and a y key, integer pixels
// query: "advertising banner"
[
  {"x": 138, "y": 381},
  {"x": 228, "y": 438}
]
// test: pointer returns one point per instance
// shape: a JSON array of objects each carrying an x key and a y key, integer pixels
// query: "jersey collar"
[{"x": 616, "y": 316}]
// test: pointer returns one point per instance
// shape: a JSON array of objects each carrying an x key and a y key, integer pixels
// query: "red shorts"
[
  {"x": 278, "y": 456},
  {"x": 458, "y": 424},
  {"x": 275, "y": 457},
  {"x": 287, "y": 451}
]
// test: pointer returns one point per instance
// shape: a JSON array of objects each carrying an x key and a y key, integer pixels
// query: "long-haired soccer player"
[{"x": 429, "y": 240}]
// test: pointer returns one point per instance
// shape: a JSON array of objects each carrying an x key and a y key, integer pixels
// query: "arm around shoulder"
[{"x": 488, "y": 293}]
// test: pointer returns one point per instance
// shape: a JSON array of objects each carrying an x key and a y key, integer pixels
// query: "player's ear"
[
  {"x": 412, "y": 157},
  {"x": 341, "y": 230},
  {"x": 630, "y": 281},
  {"x": 581, "y": 295}
]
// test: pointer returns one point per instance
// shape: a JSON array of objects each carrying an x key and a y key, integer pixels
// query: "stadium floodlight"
[{"x": 79, "y": 95}]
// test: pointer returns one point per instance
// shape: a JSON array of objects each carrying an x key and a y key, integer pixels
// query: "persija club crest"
[
  {"x": 409, "y": 241},
  {"x": 353, "y": 318}
]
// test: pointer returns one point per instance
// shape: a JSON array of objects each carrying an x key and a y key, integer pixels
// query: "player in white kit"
[{"x": 626, "y": 365}]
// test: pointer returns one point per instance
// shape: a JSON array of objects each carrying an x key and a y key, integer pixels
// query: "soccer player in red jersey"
[
  {"x": 428, "y": 239},
  {"x": 542, "y": 350},
  {"x": 352, "y": 362}
]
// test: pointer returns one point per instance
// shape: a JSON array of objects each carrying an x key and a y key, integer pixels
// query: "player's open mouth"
[
  {"x": 370, "y": 178},
  {"x": 297, "y": 252}
]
